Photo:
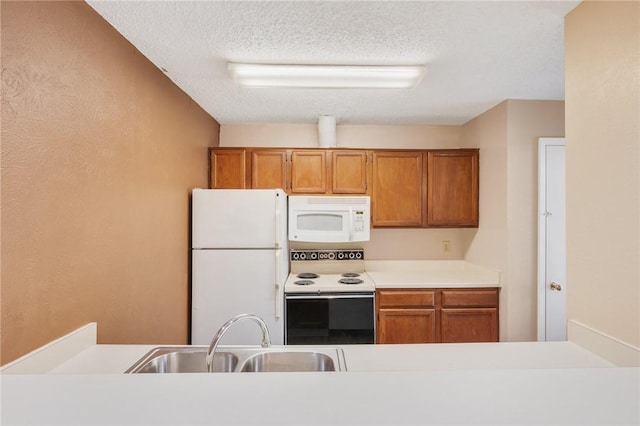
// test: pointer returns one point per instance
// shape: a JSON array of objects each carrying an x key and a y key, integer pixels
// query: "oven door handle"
[{"x": 316, "y": 296}]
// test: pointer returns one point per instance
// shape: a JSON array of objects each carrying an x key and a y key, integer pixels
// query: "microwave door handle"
[{"x": 350, "y": 224}]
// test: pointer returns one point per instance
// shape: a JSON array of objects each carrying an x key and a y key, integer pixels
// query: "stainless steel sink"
[
  {"x": 288, "y": 361},
  {"x": 183, "y": 360},
  {"x": 192, "y": 359}
]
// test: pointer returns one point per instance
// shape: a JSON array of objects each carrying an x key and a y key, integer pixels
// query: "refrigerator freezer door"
[
  {"x": 226, "y": 283},
  {"x": 239, "y": 218}
]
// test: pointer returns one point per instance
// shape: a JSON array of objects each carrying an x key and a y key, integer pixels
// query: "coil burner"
[
  {"x": 303, "y": 282},
  {"x": 350, "y": 281},
  {"x": 307, "y": 275},
  {"x": 350, "y": 275}
]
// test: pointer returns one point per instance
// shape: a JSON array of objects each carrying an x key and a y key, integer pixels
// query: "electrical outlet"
[{"x": 446, "y": 246}]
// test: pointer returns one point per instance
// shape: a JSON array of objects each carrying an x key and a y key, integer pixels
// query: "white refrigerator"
[{"x": 239, "y": 263}]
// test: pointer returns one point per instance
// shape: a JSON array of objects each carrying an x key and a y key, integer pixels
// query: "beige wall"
[
  {"x": 347, "y": 136},
  {"x": 507, "y": 136},
  {"x": 527, "y": 121},
  {"x": 488, "y": 132},
  {"x": 602, "y": 48},
  {"x": 99, "y": 151}
]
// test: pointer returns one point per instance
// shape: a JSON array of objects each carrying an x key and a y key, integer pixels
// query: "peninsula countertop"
[{"x": 474, "y": 383}]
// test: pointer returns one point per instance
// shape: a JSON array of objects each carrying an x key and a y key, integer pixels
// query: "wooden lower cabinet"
[
  {"x": 406, "y": 325},
  {"x": 437, "y": 315},
  {"x": 406, "y": 316},
  {"x": 469, "y": 325}
]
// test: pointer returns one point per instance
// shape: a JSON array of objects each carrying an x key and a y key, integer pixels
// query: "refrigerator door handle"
[
  {"x": 279, "y": 297},
  {"x": 277, "y": 227}
]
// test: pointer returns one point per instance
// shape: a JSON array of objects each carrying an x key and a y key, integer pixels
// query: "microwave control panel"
[{"x": 358, "y": 220}]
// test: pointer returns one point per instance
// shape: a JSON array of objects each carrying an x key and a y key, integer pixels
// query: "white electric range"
[
  {"x": 328, "y": 271},
  {"x": 329, "y": 299}
]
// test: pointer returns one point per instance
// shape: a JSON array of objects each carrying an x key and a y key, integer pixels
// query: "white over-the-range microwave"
[{"x": 327, "y": 219}]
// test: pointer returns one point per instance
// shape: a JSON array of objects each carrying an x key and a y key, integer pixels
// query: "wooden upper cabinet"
[
  {"x": 413, "y": 189},
  {"x": 227, "y": 169},
  {"x": 269, "y": 169},
  {"x": 397, "y": 188},
  {"x": 308, "y": 172},
  {"x": 452, "y": 188},
  {"x": 349, "y": 172}
]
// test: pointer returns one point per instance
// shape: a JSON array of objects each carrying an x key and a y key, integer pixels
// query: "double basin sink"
[{"x": 240, "y": 359}]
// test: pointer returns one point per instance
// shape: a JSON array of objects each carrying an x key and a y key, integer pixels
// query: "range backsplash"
[
  {"x": 327, "y": 261},
  {"x": 295, "y": 255}
]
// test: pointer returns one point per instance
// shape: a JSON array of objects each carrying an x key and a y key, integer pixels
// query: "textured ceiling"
[{"x": 477, "y": 54}]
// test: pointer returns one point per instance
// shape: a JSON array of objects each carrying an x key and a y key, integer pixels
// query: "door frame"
[{"x": 543, "y": 143}]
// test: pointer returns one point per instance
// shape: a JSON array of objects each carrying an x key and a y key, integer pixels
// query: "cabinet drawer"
[
  {"x": 406, "y": 298},
  {"x": 477, "y": 298}
]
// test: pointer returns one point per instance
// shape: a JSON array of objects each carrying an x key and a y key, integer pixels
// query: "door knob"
[{"x": 555, "y": 286}]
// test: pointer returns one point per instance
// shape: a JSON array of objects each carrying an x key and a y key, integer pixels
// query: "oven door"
[{"x": 320, "y": 319}]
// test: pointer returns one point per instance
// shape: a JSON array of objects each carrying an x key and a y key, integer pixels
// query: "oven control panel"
[{"x": 297, "y": 255}]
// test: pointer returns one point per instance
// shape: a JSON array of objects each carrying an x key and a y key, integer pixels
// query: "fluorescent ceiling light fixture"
[{"x": 327, "y": 76}]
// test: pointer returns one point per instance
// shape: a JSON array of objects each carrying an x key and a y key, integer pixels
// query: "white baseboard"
[
  {"x": 49, "y": 356},
  {"x": 607, "y": 347}
]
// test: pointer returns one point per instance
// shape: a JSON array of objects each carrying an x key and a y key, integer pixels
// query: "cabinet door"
[
  {"x": 308, "y": 172},
  {"x": 227, "y": 169},
  {"x": 349, "y": 174},
  {"x": 397, "y": 188},
  {"x": 469, "y": 325},
  {"x": 452, "y": 188},
  {"x": 269, "y": 169},
  {"x": 406, "y": 325}
]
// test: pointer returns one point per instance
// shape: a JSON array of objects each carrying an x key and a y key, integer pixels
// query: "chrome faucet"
[{"x": 266, "y": 339}]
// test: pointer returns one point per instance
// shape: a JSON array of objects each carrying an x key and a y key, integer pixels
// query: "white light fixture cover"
[{"x": 327, "y": 76}]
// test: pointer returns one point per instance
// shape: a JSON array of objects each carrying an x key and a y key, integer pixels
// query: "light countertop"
[
  {"x": 430, "y": 274},
  {"x": 115, "y": 359},
  {"x": 473, "y": 383},
  {"x": 594, "y": 396}
]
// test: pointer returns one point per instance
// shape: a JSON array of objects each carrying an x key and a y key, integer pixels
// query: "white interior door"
[{"x": 552, "y": 286}]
